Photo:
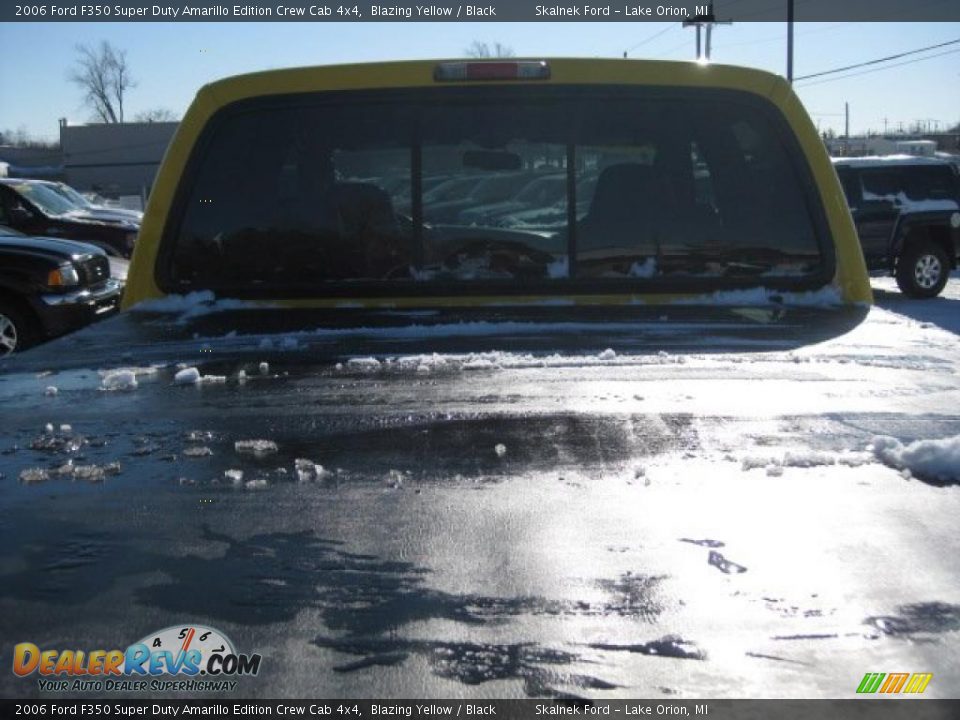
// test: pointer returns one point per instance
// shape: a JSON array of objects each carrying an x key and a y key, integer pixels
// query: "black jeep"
[{"x": 907, "y": 213}]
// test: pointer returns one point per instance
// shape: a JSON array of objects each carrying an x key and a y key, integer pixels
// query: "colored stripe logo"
[{"x": 894, "y": 683}]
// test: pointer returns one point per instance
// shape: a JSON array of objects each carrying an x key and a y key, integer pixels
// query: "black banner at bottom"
[{"x": 859, "y": 709}]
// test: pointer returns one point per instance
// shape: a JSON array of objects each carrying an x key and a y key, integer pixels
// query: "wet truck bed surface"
[{"x": 642, "y": 509}]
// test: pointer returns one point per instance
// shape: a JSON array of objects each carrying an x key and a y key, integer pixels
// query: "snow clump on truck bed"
[{"x": 937, "y": 460}]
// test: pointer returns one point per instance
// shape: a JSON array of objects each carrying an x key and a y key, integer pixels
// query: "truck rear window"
[{"x": 512, "y": 189}]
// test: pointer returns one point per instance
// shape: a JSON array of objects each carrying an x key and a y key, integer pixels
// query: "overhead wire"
[
  {"x": 877, "y": 61},
  {"x": 650, "y": 39},
  {"x": 873, "y": 70}
]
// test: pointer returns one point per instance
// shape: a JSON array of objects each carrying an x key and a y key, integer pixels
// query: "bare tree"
[
  {"x": 480, "y": 49},
  {"x": 21, "y": 138},
  {"x": 156, "y": 115},
  {"x": 104, "y": 76}
]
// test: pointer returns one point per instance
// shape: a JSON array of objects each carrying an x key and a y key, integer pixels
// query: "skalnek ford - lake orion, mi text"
[{"x": 671, "y": 11}]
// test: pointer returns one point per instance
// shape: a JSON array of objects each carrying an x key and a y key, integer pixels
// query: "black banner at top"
[
  {"x": 479, "y": 11},
  {"x": 545, "y": 709}
]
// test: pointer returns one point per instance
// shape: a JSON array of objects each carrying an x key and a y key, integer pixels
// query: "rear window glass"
[
  {"x": 933, "y": 182},
  {"x": 518, "y": 190},
  {"x": 881, "y": 184}
]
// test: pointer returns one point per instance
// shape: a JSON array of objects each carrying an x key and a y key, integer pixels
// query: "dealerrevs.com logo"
[{"x": 185, "y": 658}]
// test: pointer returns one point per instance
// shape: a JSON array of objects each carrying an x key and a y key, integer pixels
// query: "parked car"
[
  {"x": 494, "y": 188},
  {"x": 553, "y": 215},
  {"x": 450, "y": 188},
  {"x": 543, "y": 191},
  {"x": 907, "y": 214},
  {"x": 51, "y": 286},
  {"x": 96, "y": 210},
  {"x": 33, "y": 208}
]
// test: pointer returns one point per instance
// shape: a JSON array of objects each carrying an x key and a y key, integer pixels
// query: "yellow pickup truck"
[{"x": 549, "y": 379}]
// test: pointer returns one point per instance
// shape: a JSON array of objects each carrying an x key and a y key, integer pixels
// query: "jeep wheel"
[
  {"x": 922, "y": 270},
  {"x": 15, "y": 330}
]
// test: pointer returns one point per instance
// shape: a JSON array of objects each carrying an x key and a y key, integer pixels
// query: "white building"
[{"x": 860, "y": 146}]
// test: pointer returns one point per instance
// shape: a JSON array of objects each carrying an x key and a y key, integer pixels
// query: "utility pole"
[
  {"x": 790, "y": 41},
  {"x": 707, "y": 22},
  {"x": 846, "y": 128}
]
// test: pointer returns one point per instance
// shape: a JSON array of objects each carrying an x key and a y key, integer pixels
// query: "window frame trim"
[{"x": 419, "y": 98}]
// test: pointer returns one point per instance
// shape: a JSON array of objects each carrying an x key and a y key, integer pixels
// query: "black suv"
[
  {"x": 49, "y": 287},
  {"x": 907, "y": 213}
]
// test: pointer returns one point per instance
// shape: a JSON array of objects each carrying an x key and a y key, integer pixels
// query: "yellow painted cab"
[{"x": 517, "y": 182}]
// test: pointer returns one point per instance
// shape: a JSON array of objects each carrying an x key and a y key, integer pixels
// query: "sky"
[{"x": 171, "y": 61}]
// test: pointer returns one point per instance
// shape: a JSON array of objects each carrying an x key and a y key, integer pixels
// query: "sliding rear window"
[{"x": 493, "y": 189}]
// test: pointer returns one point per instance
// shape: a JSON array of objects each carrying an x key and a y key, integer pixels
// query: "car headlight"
[{"x": 63, "y": 276}]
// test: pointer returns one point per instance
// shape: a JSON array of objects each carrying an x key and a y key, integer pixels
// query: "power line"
[
  {"x": 888, "y": 67},
  {"x": 649, "y": 39},
  {"x": 878, "y": 60}
]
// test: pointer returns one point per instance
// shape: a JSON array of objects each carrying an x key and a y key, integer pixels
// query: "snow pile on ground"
[
  {"x": 752, "y": 462},
  {"x": 307, "y": 470},
  {"x": 119, "y": 380},
  {"x": 492, "y": 360},
  {"x": 808, "y": 459},
  {"x": 394, "y": 479},
  {"x": 369, "y": 364},
  {"x": 234, "y": 475},
  {"x": 192, "y": 376},
  {"x": 212, "y": 380},
  {"x": 30, "y": 476},
  {"x": 257, "y": 448},
  {"x": 187, "y": 376},
  {"x": 804, "y": 459},
  {"x": 937, "y": 460},
  {"x": 125, "y": 378}
]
